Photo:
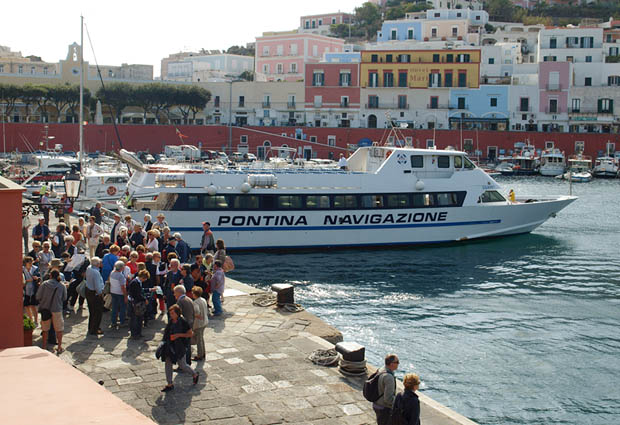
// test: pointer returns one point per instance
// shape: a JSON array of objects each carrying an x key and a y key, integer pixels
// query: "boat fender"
[
  {"x": 211, "y": 190},
  {"x": 419, "y": 185},
  {"x": 245, "y": 187},
  {"x": 111, "y": 191}
]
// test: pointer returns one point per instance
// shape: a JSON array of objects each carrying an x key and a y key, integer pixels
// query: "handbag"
[
  {"x": 81, "y": 289},
  {"x": 106, "y": 287},
  {"x": 46, "y": 313},
  {"x": 228, "y": 265},
  {"x": 107, "y": 301}
]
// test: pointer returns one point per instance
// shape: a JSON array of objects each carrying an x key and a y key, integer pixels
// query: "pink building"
[
  {"x": 281, "y": 56},
  {"x": 553, "y": 84},
  {"x": 332, "y": 88},
  {"x": 315, "y": 21}
]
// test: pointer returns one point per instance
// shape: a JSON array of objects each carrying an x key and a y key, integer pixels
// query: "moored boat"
[
  {"x": 552, "y": 162},
  {"x": 387, "y": 196},
  {"x": 605, "y": 167}
]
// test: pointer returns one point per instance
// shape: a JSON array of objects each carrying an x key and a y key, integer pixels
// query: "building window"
[
  {"x": 448, "y": 79},
  {"x": 20, "y": 69},
  {"x": 45, "y": 70},
  {"x": 524, "y": 104},
  {"x": 1, "y": 68},
  {"x": 434, "y": 32},
  {"x": 293, "y": 49},
  {"x": 279, "y": 69},
  {"x": 493, "y": 102},
  {"x": 455, "y": 31},
  {"x": 402, "y": 102},
  {"x": 32, "y": 69},
  {"x": 388, "y": 79},
  {"x": 331, "y": 140},
  {"x": 436, "y": 58},
  {"x": 586, "y": 42},
  {"x": 374, "y": 58},
  {"x": 318, "y": 79},
  {"x": 333, "y": 21},
  {"x": 463, "y": 58},
  {"x": 344, "y": 101},
  {"x": 241, "y": 101},
  {"x": 449, "y": 58},
  {"x": 373, "y": 79},
  {"x": 434, "y": 79},
  {"x": 434, "y": 102},
  {"x": 388, "y": 58},
  {"x": 307, "y": 24},
  {"x": 587, "y": 81},
  {"x": 462, "y": 79},
  {"x": 393, "y": 35},
  {"x": 553, "y": 43},
  {"x": 266, "y": 68},
  {"x": 345, "y": 79},
  {"x": 265, "y": 50},
  {"x": 460, "y": 103},
  {"x": 402, "y": 78},
  {"x": 294, "y": 68},
  {"x": 216, "y": 102},
  {"x": 410, "y": 34},
  {"x": 243, "y": 139},
  {"x": 576, "y": 105},
  {"x": 553, "y": 106},
  {"x": 588, "y": 58},
  {"x": 613, "y": 80},
  {"x": 373, "y": 102},
  {"x": 579, "y": 146},
  {"x": 569, "y": 58},
  {"x": 606, "y": 106}
]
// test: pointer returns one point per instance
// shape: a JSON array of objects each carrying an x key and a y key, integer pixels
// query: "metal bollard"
[{"x": 285, "y": 293}]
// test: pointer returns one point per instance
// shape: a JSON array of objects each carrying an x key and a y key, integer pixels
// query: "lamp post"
[{"x": 73, "y": 182}]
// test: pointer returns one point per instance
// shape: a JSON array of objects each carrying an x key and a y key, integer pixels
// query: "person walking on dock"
[
  {"x": 207, "y": 242},
  {"x": 387, "y": 387}
]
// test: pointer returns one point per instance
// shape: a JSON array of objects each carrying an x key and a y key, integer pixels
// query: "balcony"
[
  {"x": 519, "y": 108},
  {"x": 386, "y": 106},
  {"x": 266, "y": 105},
  {"x": 440, "y": 106},
  {"x": 557, "y": 110},
  {"x": 554, "y": 87},
  {"x": 290, "y": 105},
  {"x": 588, "y": 112},
  {"x": 344, "y": 104}
]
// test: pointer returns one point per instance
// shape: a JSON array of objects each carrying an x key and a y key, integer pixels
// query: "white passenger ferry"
[{"x": 387, "y": 196}]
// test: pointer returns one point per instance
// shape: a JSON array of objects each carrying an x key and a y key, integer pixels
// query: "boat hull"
[{"x": 252, "y": 230}]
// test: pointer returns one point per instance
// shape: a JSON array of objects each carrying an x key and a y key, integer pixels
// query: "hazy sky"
[{"x": 144, "y": 32}]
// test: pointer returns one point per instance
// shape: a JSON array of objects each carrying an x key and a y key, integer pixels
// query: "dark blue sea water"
[{"x": 524, "y": 329}]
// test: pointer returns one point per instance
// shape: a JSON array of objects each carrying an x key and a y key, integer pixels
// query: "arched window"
[{"x": 372, "y": 121}]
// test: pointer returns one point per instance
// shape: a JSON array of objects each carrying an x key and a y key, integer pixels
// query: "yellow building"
[{"x": 420, "y": 68}]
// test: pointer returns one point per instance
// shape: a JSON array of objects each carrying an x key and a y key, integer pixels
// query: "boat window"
[
  {"x": 246, "y": 202},
  {"x": 417, "y": 161},
  {"x": 447, "y": 199},
  {"x": 192, "y": 202},
  {"x": 215, "y": 202},
  {"x": 372, "y": 201},
  {"x": 317, "y": 201},
  {"x": 492, "y": 196},
  {"x": 443, "y": 161},
  {"x": 458, "y": 162},
  {"x": 423, "y": 200},
  {"x": 398, "y": 201},
  {"x": 468, "y": 164},
  {"x": 345, "y": 201},
  {"x": 289, "y": 201},
  {"x": 112, "y": 180}
]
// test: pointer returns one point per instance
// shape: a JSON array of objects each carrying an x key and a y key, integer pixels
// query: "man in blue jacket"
[{"x": 182, "y": 248}]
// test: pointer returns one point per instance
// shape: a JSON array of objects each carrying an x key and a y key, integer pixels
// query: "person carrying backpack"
[
  {"x": 380, "y": 388},
  {"x": 406, "y": 407}
]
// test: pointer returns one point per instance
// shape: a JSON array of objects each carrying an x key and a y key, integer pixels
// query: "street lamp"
[{"x": 72, "y": 181}]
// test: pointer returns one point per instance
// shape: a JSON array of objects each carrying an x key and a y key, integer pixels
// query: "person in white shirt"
[
  {"x": 25, "y": 230},
  {"x": 93, "y": 232},
  {"x": 342, "y": 162}
]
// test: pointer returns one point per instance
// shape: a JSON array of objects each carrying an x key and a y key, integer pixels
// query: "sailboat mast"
[{"x": 81, "y": 114}]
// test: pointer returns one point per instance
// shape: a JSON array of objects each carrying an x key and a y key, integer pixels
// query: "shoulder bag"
[{"x": 46, "y": 313}]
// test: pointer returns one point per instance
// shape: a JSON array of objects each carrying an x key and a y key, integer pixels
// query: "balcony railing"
[
  {"x": 554, "y": 87},
  {"x": 589, "y": 111},
  {"x": 344, "y": 104},
  {"x": 557, "y": 110},
  {"x": 522, "y": 109},
  {"x": 387, "y": 106},
  {"x": 290, "y": 105},
  {"x": 440, "y": 106},
  {"x": 266, "y": 105}
]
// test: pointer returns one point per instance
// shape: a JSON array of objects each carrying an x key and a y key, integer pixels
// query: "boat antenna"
[{"x": 90, "y": 41}]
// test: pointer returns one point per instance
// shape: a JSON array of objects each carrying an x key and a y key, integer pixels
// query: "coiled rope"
[
  {"x": 349, "y": 368},
  {"x": 324, "y": 357},
  {"x": 270, "y": 299}
]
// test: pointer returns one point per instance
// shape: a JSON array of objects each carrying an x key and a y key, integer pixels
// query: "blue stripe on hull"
[{"x": 352, "y": 227}]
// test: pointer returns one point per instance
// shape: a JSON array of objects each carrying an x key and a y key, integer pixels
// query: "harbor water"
[{"x": 516, "y": 330}]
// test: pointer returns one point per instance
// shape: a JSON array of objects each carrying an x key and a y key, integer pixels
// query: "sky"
[{"x": 144, "y": 32}]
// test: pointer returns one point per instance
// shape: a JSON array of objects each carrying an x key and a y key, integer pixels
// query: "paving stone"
[
  {"x": 350, "y": 409},
  {"x": 233, "y": 360},
  {"x": 132, "y": 380},
  {"x": 265, "y": 419},
  {"x": 220, "y": 413}
]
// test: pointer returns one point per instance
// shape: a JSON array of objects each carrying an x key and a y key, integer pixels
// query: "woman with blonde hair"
[{"x": 406, "y": 407}]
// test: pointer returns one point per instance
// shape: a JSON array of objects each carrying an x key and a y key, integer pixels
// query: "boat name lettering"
[
  {"x": 263, "y": 220},
  {"x": 419, "y": 217}
]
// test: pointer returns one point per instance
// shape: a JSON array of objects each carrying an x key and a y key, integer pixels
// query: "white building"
[
  {"x": 571, "y": 44},
  {"x": 208, "y": 67}
]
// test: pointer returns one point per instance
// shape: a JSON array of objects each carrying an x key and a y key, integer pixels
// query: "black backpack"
[
  {"x": 371, "y": 387},
  {"x": 398, "y": 411}
]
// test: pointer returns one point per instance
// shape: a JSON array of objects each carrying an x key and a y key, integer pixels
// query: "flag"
[{"x": 181, "y": 135}]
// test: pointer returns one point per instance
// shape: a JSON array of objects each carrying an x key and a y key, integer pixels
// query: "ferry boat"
[
  {"x": 605, "y": 167},
  {"x": 386, "y": 196},
  {"x": 552, "y": 162}
]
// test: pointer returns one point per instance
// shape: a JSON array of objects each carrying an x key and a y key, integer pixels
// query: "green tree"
[
  {"x": 240, "y": 50},
  {"x": 117, "y": 96},
  {"x": 144, "y": 96},
  {"x": 191, "y": 99},
  {"x": 43, "y": 102},
  {"x": 163, "y": 99},
  {"x": 247, "y": 75},
  {"x": 9, "y": 95},
  {"x": 59, "y": 96},
  {"x": 74, "y": 100},
  {"x": 368, "y": 17},
  {"x": 30, "y": 96}
]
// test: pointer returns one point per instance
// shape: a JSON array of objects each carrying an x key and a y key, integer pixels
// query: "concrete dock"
[{"x": 256, "y": 370}]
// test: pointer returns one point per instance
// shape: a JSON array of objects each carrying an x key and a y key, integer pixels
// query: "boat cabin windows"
[
  {"x": 443, "y": 161},
  {"x": 345, "y": 201},
  {"x": 269, "y": 202},
  {"x": 317, "y": 201},
  {"x": 492, "y": 196},
  {"x": 289, "y": 202},
  {"x": 417, "y": 161},
  {"x": 113, "y": 180}
]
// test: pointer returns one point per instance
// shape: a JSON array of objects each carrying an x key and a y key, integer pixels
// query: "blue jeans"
[
  {"x": 118, "y": 307},
  {"x": 216, "y": 297}
]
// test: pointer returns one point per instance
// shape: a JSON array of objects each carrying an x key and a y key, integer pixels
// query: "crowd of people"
[{"x": 134, "y": 271}]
